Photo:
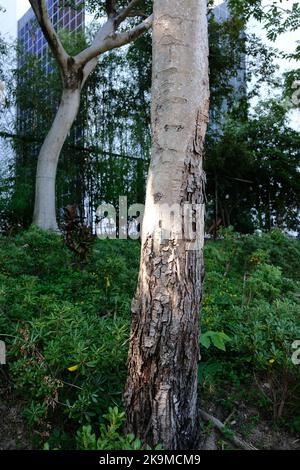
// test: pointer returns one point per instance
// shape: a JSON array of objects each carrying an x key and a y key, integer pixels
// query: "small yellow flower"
[
  {"x": 271, "y": 361},
  {"x": 73, "y": 368}
]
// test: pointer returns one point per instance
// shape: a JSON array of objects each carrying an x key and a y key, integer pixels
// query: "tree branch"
[
  {"x": 126, "y": 12},
  {"x": 41, "y": 12},
  {"x": 106, "y": 42},
  {"x": 120, "y": 39},
  {"x": 88, "y": 69},
  {"x": 222, "y": 428},
  {"x": 110, "y": 6}
]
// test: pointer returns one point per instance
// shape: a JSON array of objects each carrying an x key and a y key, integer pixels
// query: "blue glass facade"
[
  {"x": 31, "y": 37},
  {"x": 32, "y": 42}
]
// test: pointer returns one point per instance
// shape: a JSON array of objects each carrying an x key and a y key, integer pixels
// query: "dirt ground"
[
  {"x": 247, "y": 424},
  {"x": 13, "y": 432},
  {"x": 243, "y": 421}
]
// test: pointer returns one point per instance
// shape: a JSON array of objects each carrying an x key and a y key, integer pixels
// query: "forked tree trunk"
[
  {"x": 45, "y": 207},
  {"x": 75, "y": 71},
  {"x": 161, "y": 391}
]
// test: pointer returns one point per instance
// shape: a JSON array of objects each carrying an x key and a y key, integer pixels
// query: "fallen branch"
[
  {"x": 223, "y": 429},
  {"x": 210, "y": 442}
]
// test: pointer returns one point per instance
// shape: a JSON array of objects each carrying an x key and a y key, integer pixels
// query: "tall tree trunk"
[
  {"x": 161, "y": 390},
  {"x": 45, "y": 207}
]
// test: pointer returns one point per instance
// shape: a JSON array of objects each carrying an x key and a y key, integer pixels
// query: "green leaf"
[
  {"x": 205, "y": 340},
  {"x": 215, "y": 338},
  {"x": 218, "y": 341}
]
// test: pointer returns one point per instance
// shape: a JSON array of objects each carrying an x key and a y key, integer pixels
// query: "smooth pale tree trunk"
[
  {"x": 161, "y": 390},
  {"x": 45, "y": 206},
  {"x": 75, "y": 70}
]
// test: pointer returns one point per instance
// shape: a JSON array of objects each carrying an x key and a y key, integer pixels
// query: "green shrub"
[
  {"x": 71, "y": 360},
  {"x": 110, "y": 435},
  {"x": 252, "y": 295},
  {"x": 67, "y": 329}
]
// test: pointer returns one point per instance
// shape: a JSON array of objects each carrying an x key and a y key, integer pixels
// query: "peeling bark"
[{"x": 161, "y": 390}]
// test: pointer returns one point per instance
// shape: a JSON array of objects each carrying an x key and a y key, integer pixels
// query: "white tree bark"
[
  {"x": 75, "y": 71},
  {"x": 45, "y": 207},
  {"x": 161, "y": 391}
]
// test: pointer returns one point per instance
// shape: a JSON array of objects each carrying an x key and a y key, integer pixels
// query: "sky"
[
  {"x": 22, "y": 7},
  {"x": 8, "y": 26}
]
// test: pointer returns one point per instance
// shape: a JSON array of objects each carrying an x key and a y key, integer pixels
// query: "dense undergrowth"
[{"x": 66, "y": 328}]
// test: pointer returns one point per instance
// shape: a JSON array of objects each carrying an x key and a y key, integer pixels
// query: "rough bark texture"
[{"x": 161, "y": 391}]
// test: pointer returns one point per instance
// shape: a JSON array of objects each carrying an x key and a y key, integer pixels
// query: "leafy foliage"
[
  {"x": 69, "y": 326},
  {"x": 252, "y": 295},
  {"x": 250, "y": 170},
  {"x": 110, "y": 436},
  {"x": 69, "y": 330},
  {"x": 214, "y": 338}
]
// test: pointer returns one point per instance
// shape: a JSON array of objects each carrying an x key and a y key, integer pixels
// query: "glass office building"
[{"x": 31, "y": 37}]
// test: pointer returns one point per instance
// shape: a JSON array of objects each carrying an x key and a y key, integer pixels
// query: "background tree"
[
  {"x": 254, "y": 173},
  {"x": 75, "y": 70},
  {"x": 7, "y": 119},
  {"x": 276, "y": 157},
  {"x": 107, "y": 151}
]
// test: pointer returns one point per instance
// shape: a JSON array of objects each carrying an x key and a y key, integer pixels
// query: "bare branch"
[
  {"x": 41, "y": 12},
  {"x": 88, "y": 69},
  {"x": 136, "y": 13},
  {"x": 106, "y": 41},
  {"x": 126, "y": 12},
  {"x": 92, "y": 51},
  {"x": 110, "y": 6},
  {"x": 222, "y": 428},
  {"x": 120, "y": 39}
]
